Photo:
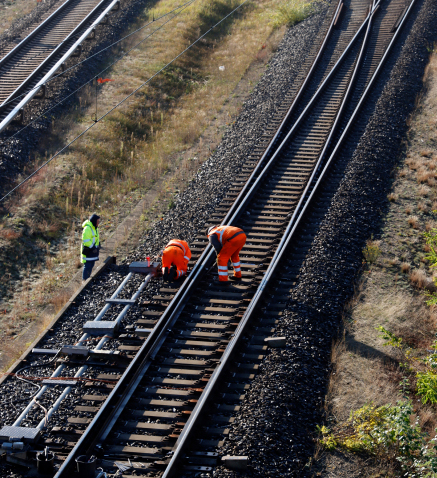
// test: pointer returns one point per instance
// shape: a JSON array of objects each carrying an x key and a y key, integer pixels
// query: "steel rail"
[
  {"x": 34, "y": 90},
  {"x": 84, "y": 337},
  {"x": 34, "y": 32},
  {"x": 301, "y": 89},
  {"x": 170, "y": 315},
  {"x": 245, "y": 196},
  {"x": 225, "y": 360},
  {"x": 159, "y": 332},
  {"x": 304, "y": 200},
  {"x": 104, "y": 420},
  {"x": 203, "y": 263},
  {"x": 347, "y": 128}
]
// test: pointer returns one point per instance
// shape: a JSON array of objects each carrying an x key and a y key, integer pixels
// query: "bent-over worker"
[
  {"x": 228, "y": 242},
  {"x": 175, "y": 257},
  {"x": 90, "y": 245}
]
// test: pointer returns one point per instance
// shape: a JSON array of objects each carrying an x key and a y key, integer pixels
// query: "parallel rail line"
[
  {"x": 26, "y": 69},
  {"x": 149, "y": 408}
]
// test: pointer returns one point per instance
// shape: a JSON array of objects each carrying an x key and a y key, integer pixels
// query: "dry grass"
[
  {"x": 135, "y": 145},
  {"x": 13, "y": 10},
  {"x": 422, "y": 207},
  {"x": 418, "y": 278},
  {"x": 392, "y": 197},
  {"x": 405, "y": 267},
  {"x": 424, "y": 175},
  {"x": 412, "y": 163},
  {"x": 424, "y": 191},
  {"x": 413, "y": 221}
]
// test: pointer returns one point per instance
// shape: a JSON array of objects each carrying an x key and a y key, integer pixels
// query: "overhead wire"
[
  {"x": 121, "y": 102},
  {"x": 181, "y": 7}
]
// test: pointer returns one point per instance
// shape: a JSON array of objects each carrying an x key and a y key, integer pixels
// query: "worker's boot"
[
  {"x": 235, "y": 278},
  {"x": 166, "y": 274},
  {"x": 173, "y": 273}
]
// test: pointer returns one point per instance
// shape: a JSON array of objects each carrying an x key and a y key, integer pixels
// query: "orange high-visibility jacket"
[
  {"x": 182, "y": 245},
  {"x": 178, "y": 253},
  {"x": 221, "y": 234}
]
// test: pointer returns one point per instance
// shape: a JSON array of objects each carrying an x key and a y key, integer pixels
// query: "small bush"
[
  {"x": 392, "y": 197},
  {"x": 387, "y": 433},
  {"x": 405, "y": 267},
  {"x": 427, "y": 386},
  {"x": 423, "y": 175},
  {"x": 412, "y": 163},
  {"x": 9, "y": 234},
  {"x": 422, "y": 207},
  {"x": 424, "y": 191},
  {"x": 418, "y": 278},
  {"x": 371, "y": 252}
]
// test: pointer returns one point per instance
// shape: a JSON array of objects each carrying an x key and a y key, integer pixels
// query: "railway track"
[
  {"x": 141, "y": 387},
  {"x": 26, "y": 69}
]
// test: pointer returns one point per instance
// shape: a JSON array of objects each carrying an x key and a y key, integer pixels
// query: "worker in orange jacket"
[
  {"x": 175, "y": 257},
  {"x": 228, "y": 242}
]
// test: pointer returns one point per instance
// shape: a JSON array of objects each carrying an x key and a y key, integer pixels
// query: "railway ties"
[{"x": 187, "y": 360}]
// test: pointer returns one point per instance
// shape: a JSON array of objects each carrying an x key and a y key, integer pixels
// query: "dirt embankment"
[{"x": 391, "y": 292}]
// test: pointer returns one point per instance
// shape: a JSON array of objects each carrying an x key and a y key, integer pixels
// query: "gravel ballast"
[
  {"x": 277, "y": 420},
  {"x": 186, "y": 218},
  {"x": 276, "y": 425}
]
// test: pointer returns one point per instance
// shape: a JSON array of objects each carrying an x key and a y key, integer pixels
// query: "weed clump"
[
  {"x": 291, "y": 12},
  {"x": 388, "y": 433},
  {"x": 418, "y": 278},
  {"x": 371, "y": 252}
]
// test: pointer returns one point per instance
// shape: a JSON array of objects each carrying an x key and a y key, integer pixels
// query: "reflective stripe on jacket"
[
  {"x": 221, "y": 234},
  {"x": 183, "y": 245},
  {"x": 91, "y": 241}
]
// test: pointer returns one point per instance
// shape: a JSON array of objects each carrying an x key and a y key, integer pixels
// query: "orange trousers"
[
  {"x": 230, "y": 250},
  {"x": 174, "y": 255}
]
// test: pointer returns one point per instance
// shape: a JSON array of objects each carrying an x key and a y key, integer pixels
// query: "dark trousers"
[{"x": 87, "y": 268}]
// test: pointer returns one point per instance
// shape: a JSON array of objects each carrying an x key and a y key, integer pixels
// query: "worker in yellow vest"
[{"x": 90, "y": 245}]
